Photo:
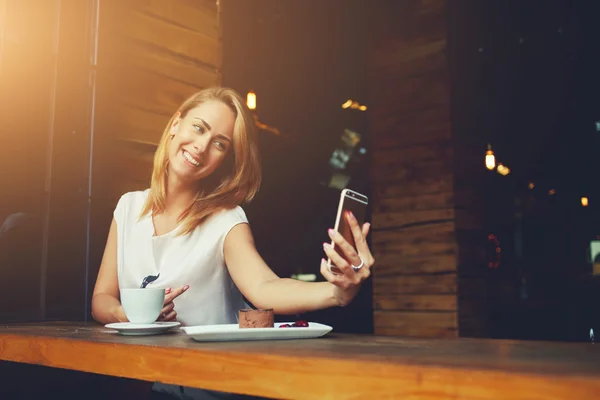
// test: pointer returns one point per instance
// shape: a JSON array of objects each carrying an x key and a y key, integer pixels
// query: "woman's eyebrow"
[{"x": 207, "y": 126}]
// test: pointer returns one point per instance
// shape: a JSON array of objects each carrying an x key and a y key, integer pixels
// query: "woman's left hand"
[{"x": 354, "y": 264}]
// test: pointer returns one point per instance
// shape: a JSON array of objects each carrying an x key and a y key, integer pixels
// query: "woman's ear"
[{"x": 175, "y": 124}]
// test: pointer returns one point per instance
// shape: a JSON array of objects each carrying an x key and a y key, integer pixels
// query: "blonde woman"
[{"x": 189, "y": 227}]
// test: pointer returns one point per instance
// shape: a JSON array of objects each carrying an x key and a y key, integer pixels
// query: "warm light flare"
[
  {"x": 490, "y": 159},
  {"x": 584, "y": 201},
  {"x": 251, "y": 100},
  {"x": 552, "y": 192},
  {"x": 503, "y": 170},
  {"x": 531, "y": 185},
  {"x": 354, "y": 105}
]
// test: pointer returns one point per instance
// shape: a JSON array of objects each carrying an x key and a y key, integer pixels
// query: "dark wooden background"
[{"x": 86, "y": 88}]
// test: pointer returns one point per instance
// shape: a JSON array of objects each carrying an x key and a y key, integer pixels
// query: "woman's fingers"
[
  {"x": 357, "y": 255},
  {"x": 171, "y": 294},
  {"x": 343, "y": 247},
  {"x": 327, "y": 274},
  {"x": 366, "y": 228},
  {"x": 336, "y": 259},
  {"x": 167, "y": 308},
  {"x": 360, "y": 239},
  {"x": 171, "y": 316}
]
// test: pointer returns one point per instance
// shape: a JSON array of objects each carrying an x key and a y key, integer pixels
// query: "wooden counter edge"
[{"x": 277, "y": 376}]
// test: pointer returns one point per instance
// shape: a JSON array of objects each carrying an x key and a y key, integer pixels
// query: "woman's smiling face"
[{"x": 200, "y": 141}]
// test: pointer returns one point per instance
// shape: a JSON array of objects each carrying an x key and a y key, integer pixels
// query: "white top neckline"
[{"x": 195, "y": 259}]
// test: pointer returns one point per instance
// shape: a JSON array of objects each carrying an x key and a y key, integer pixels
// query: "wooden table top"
[{"x": 336, "y": 366}]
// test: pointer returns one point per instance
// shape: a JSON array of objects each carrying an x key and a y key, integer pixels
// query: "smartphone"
[{"x": 357, "y": 204}]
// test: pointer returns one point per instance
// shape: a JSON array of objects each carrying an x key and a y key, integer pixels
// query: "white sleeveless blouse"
[{"x": 195, "y": 259}]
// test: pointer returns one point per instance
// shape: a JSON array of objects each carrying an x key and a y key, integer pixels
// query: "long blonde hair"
[{"x": 235, "y": 181}]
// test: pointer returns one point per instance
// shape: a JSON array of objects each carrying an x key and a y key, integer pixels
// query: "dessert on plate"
[{"x": 250, "y": 318}]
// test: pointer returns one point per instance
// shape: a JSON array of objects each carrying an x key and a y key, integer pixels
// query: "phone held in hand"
[{"x": 357, "y": 204}]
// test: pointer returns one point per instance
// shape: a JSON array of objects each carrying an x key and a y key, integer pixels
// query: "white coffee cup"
[{"x": 142, "y": 306}]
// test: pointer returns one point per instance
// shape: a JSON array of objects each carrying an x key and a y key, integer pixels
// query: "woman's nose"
[{"x": 201, "y": 143}]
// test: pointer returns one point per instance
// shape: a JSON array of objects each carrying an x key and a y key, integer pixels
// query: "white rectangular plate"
[{"x": 232, "y": 332}]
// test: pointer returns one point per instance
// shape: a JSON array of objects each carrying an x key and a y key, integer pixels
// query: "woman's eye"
[
  {"x": 199, "y": 128},
  {"x": 220, "y": 145}
]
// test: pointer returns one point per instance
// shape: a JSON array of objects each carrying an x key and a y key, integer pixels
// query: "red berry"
[
  {"x": 301, "y": 324},
  {"x": 285, "y": 326}
]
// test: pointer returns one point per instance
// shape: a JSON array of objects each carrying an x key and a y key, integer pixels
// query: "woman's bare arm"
[
  {"x": 106, "y": 307},
  {"x": 263, "y": 288}
]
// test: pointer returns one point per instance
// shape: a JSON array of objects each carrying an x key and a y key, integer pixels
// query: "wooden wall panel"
[
  {"x": 194, "y": 15},
  {"x": 425, "y": 230},
  {"x": 164, "y": 53},
  {"x": 409, "y": 302}
]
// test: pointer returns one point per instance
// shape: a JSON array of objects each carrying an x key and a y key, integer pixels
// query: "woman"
[{"x": 190, "y": 228}]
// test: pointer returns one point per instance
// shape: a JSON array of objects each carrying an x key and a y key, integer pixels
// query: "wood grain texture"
[
  {"x": 427, "y": 219},
  {"x": 416, "y": 284},
  {"x": 195, "y": 15},
  {"x": 392, "y": 263},
  {"x": 147, "y": 67},
  {"x": 407, "y": 302},
  {"x": 333, "y": 367},
  {"x": 168, "y": 36}
]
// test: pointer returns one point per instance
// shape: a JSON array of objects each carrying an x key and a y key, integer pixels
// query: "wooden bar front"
[{"x": 336, "y": 366}]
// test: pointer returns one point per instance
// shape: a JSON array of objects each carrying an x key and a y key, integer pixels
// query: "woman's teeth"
[{"x": 191, "y": 159}]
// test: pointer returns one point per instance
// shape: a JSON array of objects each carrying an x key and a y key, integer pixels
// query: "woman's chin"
[{"x": 186, "y": 175}]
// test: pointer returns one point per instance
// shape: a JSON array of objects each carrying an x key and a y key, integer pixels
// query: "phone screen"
[{"x": 357, "y": 204}]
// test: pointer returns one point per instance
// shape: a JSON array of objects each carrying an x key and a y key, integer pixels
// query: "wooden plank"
[
  {"x": 417, "y": 324},
  {"x": 173, "y": 38},
  {"x": 133, "y": 168},
  {"x": 442, "y": 232},
  {"x": 435, "y": 302},
  {"x": 391, "y": 263},
  {"x": 154, "y": 93},
  {"x": 415, "y": 250},
  {"x": 423, "y": 187},
  {"x": 413, "y": 172},
  {"x": 141, "y": 125},
  {"x": 402, "y": 218},
  {"x": 416, "y": 284},
  {"x": 400, "y": 250},
  {"x": 418, "y": 153},
  {"x": 431, "y": 201},
  {"x": 199, "y": 15},
  {"x": 167, "y": 64}
]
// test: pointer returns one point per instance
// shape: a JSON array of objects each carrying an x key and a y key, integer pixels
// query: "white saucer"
[{"x": 127, "y": 328}]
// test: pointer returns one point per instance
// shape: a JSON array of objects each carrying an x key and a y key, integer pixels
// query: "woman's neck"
[{"x": 179, "y": 196}]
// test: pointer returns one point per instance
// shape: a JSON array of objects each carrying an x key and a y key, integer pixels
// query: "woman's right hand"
[{"x": 168, "y": 312}]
